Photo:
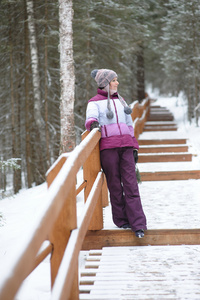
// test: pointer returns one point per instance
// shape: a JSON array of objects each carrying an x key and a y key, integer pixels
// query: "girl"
[{"x": 118, "y": 150}]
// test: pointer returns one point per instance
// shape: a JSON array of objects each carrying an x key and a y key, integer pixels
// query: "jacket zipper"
[
  {"x": 105, "y": 130},
  {"x": 117, "y": 116}
]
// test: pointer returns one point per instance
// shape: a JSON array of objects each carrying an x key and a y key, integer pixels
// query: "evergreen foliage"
[{"x": 153, "y": 42}]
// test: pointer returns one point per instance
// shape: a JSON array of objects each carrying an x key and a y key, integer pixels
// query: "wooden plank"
[
  {"x": 57, "y": 193},
  {"x": 160, "y": 112},
  {"x": 55, "y": 168},
  {"x": 157, "y": 106},
  {"x": 65, "y": 223},
  {"x": 170, "y": 175},
  {"x": 95, "y": 252},
  {"x": 105, "y": 201},
  {"x": 160, "y": 128},
  {"x": 162, "y": 123},
  {"x": 118, "y": 237},
  {"x": 165, "y": 158},
  {"x": 42, "y": 255},
  {"x": 65, "y": 277},
  {"x": 161, "y": 115},
  {"x": 157, "y": 149},
  {"x": 162, "y": 141},
  {"x": 91, "y": 168},
  {"x": 155, "y": 117},
  {"x": 156, "y": 272}
]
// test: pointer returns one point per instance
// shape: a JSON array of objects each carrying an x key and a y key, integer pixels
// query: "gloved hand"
[
  {"x": 135, "y": 155},
  {"x": 95, "y": 124}
]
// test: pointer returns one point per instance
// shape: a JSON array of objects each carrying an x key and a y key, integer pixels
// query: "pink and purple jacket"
[{"x": 116, "y": 132}]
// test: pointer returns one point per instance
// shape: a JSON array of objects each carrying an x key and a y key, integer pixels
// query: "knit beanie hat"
[{"x": 103, "y": 77}]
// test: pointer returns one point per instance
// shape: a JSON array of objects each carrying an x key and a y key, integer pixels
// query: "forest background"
[{"x": 148, "y": 43}]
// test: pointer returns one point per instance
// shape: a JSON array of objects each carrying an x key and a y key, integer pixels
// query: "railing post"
[
  {"x": 105, "y": 201},
  {"x": 62, "y": 227},
  {"x": 136, "y": 128},
  {"x": 59, "y": 236},
  {"x": 91, "y": 168},
  {"x": 134, "y": 113},
  {"x": 74, "y": 295}
]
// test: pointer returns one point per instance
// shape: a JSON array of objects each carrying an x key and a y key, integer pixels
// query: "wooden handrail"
[
  {"x": 58, "y": 222},
  {"x": 56, "y": 195},
  {"x": 64, "y": 280},
  {"x": 139, "y": 115}
]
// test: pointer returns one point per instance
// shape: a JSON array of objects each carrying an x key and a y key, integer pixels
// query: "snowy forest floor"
[{"x": 167, "y": 205}]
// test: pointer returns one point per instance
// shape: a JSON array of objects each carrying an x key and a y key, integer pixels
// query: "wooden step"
[
  {"x": 170, "y": 175},
  {"x": 157, "y": 106},
  {"x": 160, "y": 117},
  {"x": 160, "y": 123},
  {"x": 161, "y": 141},
  {"x": 159, "y": 111},
  {"x": 117, "y": 237},
  {"x": 156, "y": 272},
  {"x": 164, "y": 157},
  {"x": 163, "y": 149},
  {"x": 160, "y": 128}
]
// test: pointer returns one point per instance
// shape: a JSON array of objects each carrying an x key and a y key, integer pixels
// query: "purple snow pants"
[{"x": 119, "y": 167}]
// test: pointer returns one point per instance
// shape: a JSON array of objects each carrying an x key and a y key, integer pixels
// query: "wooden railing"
[
  {"x": 57, "y": 227},
  {"x": 139, "y": 115}
]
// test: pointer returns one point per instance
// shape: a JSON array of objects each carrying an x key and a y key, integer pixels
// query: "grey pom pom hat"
[{"x": 103, "y": 77}]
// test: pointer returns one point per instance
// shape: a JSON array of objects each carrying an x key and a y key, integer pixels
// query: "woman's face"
[{"x": 114, "y": 84}]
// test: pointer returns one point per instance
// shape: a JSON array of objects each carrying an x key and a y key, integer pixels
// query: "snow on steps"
[
  {"x": 170, "y": 148},
  {"x": 160, "y": 123},
  {"x": 160, "y": 141},
  {"x": 164, "y": 157},
  {"x": 149, "y": 272},
  {"x": 155, "y": 163},
  {"x": 167, "y": 204},
  {"x": 168, "y": 166},
  {"x": 160, "y": 126}
]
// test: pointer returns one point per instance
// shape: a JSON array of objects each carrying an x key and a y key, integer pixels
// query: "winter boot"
[{"x": 139, "y": 233}]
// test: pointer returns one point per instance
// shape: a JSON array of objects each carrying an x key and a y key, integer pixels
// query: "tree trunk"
[
  {"x": 35, "y": 67},
  {"x": 67, "y": 78},
  {"x": 40, "y": 166},
  {"x": 88, "y": 77},
  {"x": 140, "y": 74},
  {"x": 46, "y": 85},
  {"x": 190, "y": 106},
  {"x": 13, "y": 125},
  {"x": 26, "y": 92},
  {"x": 195, "y": 63},
  {"x": 18, "y": 172}
]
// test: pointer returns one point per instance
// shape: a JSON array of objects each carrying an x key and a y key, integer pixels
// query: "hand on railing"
[{"x": 95, "y": 124}]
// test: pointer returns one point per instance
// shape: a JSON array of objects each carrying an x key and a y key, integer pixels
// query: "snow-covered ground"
[{"x": 170, "y": 204}]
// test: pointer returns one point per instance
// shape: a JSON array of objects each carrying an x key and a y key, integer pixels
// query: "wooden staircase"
[
  {"x": 162, "y": 114},
  {"x": 164, "y": 150},
  {"x": 165, "y": 267}
]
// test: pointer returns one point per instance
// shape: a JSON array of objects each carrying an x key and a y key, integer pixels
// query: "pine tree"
[{"x": 181, "y": 51}]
